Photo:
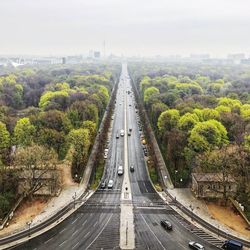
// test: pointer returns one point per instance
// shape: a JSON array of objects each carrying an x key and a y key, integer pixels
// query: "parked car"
[
  {"x": 195, "y": 245},
  {"x": 110, "y": 184},
  {"x": 166, "y": 224},
  {"x": 132, "y": 168}
]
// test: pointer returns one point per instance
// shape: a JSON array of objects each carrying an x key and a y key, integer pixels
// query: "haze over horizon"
[{"x": 144, "y": 27}]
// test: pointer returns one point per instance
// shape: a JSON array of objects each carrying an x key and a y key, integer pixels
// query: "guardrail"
[
  {"x": 38, "y": 227},
  {"x": 205, "y": 224}
]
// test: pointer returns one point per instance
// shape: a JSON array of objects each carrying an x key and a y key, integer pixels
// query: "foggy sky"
[{"x": 129, "y": 27}]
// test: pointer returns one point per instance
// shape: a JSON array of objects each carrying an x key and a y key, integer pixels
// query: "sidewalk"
[
  {"x": 66, "y": 196},
  {"x": 199, "y": 207}
]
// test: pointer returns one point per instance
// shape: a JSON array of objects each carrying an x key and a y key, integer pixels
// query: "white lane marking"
[
  {"x": 100, "y": 231},
  {"x": 74, "y": 221},
  {"x": 95, "y": 224},
  {"x": 145, "y": 187},
  {"x": 86, "y": 235},
  {"x": 62, "y": 231},
  {"x": 75, "y": 232},
  {"x": 84, "y": 222},
  {"x": 62, "y": 243},
  {"x": 152, "y": 232},
  {"x": 75, "y": 245},
  {"x": 48, "y": 240}
]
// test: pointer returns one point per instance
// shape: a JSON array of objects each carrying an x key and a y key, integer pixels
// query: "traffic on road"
[{"x": 96, "y": 225}]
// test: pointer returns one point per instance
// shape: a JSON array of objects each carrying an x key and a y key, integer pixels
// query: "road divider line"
[{"x": 127, "y": 231}]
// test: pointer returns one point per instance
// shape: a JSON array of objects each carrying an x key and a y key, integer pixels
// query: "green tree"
[
  {"x": 168, "y": 120},
  {"x": 80, "y": 141},
  {"x": 188, "y": 121},
  {"x": 4, "y": 137},
  {"x": 209, "y": 114},
  {"x": 206, "y": 135},
  {"x": 156, "y": 109},
  {"x": 24, "y": 132},
  {"x": 91, "y": 126},
  {"x": 150, "y": 93},
  {"x": 54, "y": 139}
]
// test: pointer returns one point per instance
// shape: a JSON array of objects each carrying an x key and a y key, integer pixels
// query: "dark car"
[
  {"x": 132, "y": 168},
  {"x": 166, "y": 224},
  {"x": 103, "y": 185},
  {"x": 195, "y": 245}
]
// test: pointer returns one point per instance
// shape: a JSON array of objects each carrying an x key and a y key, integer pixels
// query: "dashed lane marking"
[
  {"x": 153, "y": 232},
  {"x": 75, "y": 245}
]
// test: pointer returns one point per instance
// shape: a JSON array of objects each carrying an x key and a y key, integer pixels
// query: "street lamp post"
[
  {"x": 192, "y": 209},
  {"x": 74, "y": 198},
  {"x": 29, "y": 225},
  {"x": 175, "y": 172},
  {"x": 181, "y": 182}
]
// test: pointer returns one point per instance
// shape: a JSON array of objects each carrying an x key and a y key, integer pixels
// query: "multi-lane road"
[{"x": 96, "y": 225}]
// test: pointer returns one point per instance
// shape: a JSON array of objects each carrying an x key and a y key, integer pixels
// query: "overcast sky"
[{"x": 129, "y": 27}]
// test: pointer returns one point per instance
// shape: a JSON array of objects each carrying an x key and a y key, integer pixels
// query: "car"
[
  {"x": 130, "y": 129},
  {"x": 166, "y": 225},
  {"x": 195, "y": 245},
  {"x": 132, "y": 168},
  {"x": 103, "y": 185},
  {"x": 129, "y": 133},
  {"x": 117, "y": 135},
  {"x": 105, "y": 156},
  {"x": 122, "y": 132},
  {"x": 120, "y": 170},
  {"x": 112, "y": 117},
  {"x": 110, "y": 184}
]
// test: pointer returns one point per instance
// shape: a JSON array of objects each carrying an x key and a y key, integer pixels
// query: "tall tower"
[{"x": 104, "y": 49}]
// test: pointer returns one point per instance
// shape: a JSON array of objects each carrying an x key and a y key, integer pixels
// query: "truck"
[{"x": 232, "y": 245}]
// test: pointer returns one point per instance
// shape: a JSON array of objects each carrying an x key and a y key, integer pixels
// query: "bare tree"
[{"x": 36, "y": 166}]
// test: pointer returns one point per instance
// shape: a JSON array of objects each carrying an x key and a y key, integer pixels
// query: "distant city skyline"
[{"x": 128, "y": 27}]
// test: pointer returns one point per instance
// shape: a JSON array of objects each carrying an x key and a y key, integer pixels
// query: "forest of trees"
[
  {"x": 201, "y": 117},
  {"x": 49, "y": 114}
]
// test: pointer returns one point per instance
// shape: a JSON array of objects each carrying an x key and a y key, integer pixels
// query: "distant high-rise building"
[
  {"x": 64, "y": 60},
  {"x": 199, "y": 56},
  {"x": 97, "y": 54},
  {"x": 236, "y": 57},
  {"x": 245, "y": 61}
]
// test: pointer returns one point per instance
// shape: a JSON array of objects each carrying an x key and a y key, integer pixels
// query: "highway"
[{"x": 96, "y": 225}]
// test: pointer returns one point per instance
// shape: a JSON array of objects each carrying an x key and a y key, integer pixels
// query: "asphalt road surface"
[{"x": 96, "y": 225}]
